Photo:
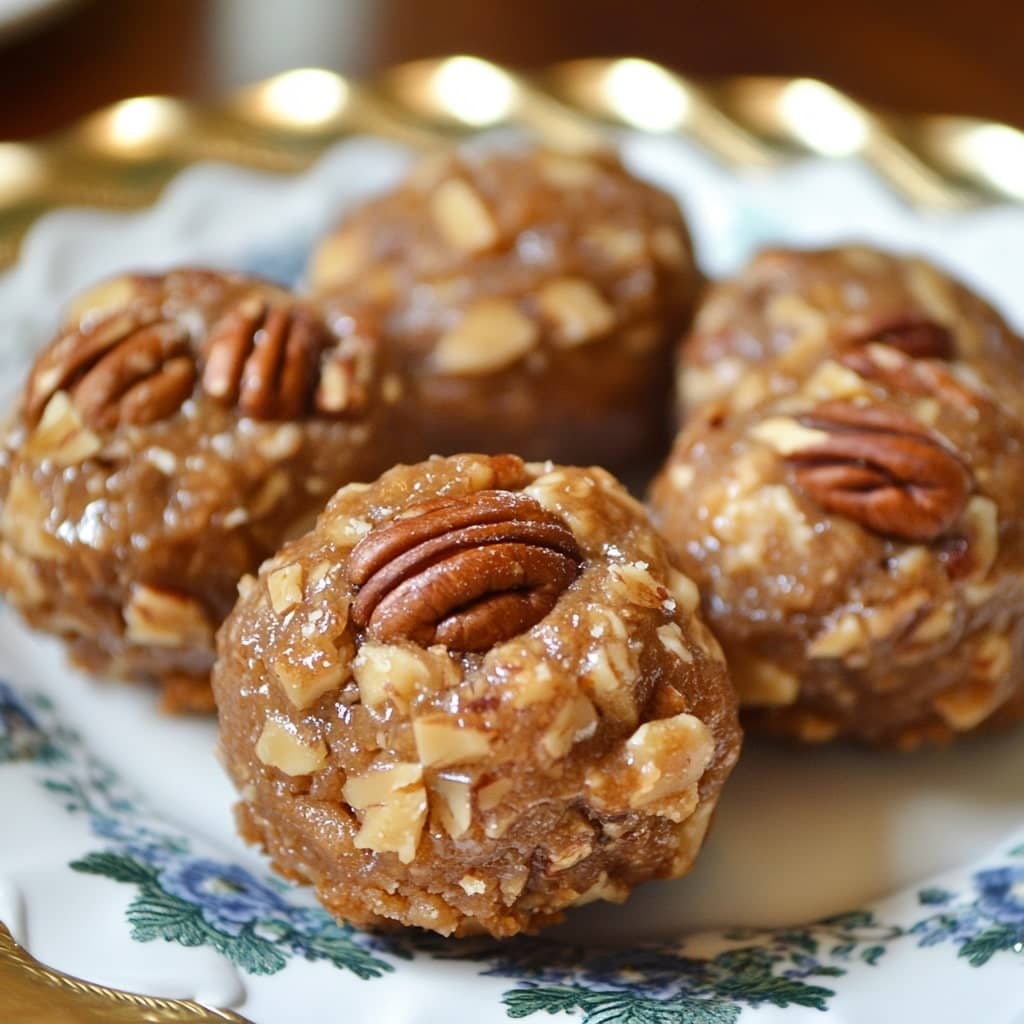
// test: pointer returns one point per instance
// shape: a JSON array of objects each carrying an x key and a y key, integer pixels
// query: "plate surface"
[{"x": 118, "y": 819}]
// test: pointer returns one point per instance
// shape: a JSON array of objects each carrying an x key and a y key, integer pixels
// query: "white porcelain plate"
[{"x": 873, "y": 887}]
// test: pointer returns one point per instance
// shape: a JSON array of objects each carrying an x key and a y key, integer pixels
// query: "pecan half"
[
  {"x": 132, "y": 367},
  {"x": 916, "y": 336},
  {"x": 883, "y": 469},
  {"x": 466, "y": 572},
  {"x": 264, "y": 358},
  {"x": 911, "y": 375}
]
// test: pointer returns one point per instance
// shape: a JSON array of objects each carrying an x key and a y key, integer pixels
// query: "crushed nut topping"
[
  {"x": 388, "y": 672},
  {"x": 575, "y": 721},
  {"x": 314, "y": 669},
  {"x": 453, "y": 805},
  {"x": 60, "y": 436},
  {"x": 280, "y": 747},
  {"x": 441, "y": 741},
  {"x": 786, "y": 436},
  {"x": 465, "y": 572},
  {"x": 393, "y": 802},
  {"x": 762, "y": 683},
  {"x": 576, "y": 309},
  {"x": 165, "y": 618},
  {"x": 96, "y": 302},
  {"x": 492, "y": 334},
  {"x": 882, "y": 469},
  {"x": 662, "y": 759},
  {"x": 23, "y": 518},
  {"x": 462, "y": 217},
  {"x": 285, "y": 588}
]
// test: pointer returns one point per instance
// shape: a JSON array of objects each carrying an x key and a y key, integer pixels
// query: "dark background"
[{"x": 939, "y": 57}]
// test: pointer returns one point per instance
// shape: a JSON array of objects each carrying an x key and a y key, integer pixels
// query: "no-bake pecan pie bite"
[
  {"x": 530, "y": 299},
  {"x": 169, "y": 439},
  {"x": 476, "y": 694},
  {"x": 859, "y": 546},
  {"x": 763, "y": 332}
]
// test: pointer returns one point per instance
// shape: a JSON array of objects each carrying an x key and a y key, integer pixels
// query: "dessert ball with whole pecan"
[
  {"x": 531, "y": 301},
  {"x": 761, "y": 333},
  {"x": 860, "y": 547},
  {"x": 476, "y": 694},
  {"x": 170, "y": 437}
]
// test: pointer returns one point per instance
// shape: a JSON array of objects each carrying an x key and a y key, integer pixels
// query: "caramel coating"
[
  {"x": 855, "y": 529},
  {"x": 465, "y": 790},
  {"x": 134, "y": 489},
  {"x": 529, "y": 299}
]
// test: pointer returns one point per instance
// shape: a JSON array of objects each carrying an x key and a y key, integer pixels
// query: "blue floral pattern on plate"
[
  {"x": 260, "y": 923},
  {"x": 181, "y": 896}
]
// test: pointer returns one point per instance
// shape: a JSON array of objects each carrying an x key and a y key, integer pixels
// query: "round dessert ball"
[
  {"x": 761, "y": 333},
  {"x": 477, "y": 693},
  {"x": 531, "y": 301},
  {"x": 859, "y": 547},
  {"x": 171, "y": 436}
]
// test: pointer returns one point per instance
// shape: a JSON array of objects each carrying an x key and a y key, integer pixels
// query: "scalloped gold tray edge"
[
  {"x": 122, "y": 156},
  {"x": 31, "y": 993}
]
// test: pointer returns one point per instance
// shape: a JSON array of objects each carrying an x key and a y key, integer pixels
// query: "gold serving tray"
[{"x": 122, "y": 156}]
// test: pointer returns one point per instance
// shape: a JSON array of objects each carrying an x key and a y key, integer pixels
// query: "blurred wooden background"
[{"x": 943, "y": 56}]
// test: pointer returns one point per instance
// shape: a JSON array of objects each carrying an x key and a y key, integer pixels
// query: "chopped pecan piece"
[
  {"x": 132, "y": 367},
  {"x": 346, "y": 374},
  {"x": 265, "y": 357},
  {"x": 466, "y": 572},
  {"x": 883, "y": 469},
  {"x": 911, "y": 375},
  {"x": 917, "y": 336}
]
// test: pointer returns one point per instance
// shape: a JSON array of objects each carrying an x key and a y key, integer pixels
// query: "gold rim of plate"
[
  {"x": 122, "y": 156},
  {"x": 32, "y": 993}
]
